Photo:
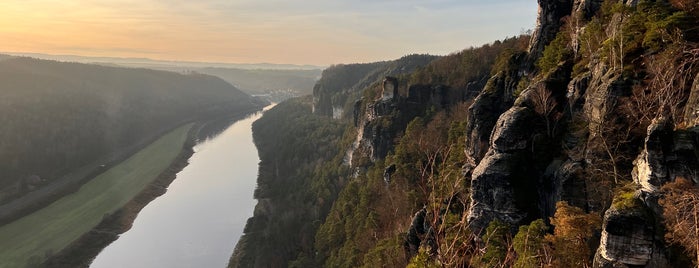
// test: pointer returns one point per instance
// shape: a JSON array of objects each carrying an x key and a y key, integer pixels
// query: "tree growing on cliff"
[
  {"x": 573, "y": 232},
  {"x": 532, "y": 250},
  {"x": 556, "y": 52},
  {"x": 680, "y": 204},
  {"x": 545, "y": 105},
  {"x": 498, "y": 251}
]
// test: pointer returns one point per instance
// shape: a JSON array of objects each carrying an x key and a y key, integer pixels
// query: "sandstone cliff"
[{"x": 452, "y": 163}]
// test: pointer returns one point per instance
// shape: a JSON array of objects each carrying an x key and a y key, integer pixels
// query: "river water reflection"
[{"x": 201, "y": 217}]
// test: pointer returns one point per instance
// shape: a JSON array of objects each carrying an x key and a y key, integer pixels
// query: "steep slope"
[
  {"x": 567, "y": 152},
  {"x": 61, "y": 118},
  {"x": 295, "y": 184},
  {"x": 298, "y": 191}
]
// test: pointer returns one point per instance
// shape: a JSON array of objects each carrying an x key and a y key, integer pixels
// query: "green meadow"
[{"x": 30, "y": 239}]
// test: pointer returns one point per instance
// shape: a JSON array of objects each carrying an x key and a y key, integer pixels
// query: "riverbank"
[
  {"x": 199, "y": 220},
  {"x": 83, "y": 251},
  {"x": 28, "y": 241},
  {"x": 110, "y": 201},
  {"x": 71, "y": 182}
]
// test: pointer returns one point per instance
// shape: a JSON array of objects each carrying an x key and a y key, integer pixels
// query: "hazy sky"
[{"x": 318, "y": 32}]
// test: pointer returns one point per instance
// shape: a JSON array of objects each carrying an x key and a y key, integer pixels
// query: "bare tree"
[
  {"x": 545, "y": 105},
  {"x": 672, "y": 72},
  {"x": 681, "y": 212}
]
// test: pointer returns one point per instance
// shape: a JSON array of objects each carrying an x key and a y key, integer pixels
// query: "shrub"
[{"x": 556, "y": 52}]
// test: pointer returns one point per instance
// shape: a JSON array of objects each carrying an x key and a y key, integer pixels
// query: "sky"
[{"x": 319, "y": 32}]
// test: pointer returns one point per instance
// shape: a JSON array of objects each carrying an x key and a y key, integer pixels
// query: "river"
[{"x": 198, "y": 222}]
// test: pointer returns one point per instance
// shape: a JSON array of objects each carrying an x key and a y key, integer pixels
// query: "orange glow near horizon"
[{"x": 241, "y": 31}]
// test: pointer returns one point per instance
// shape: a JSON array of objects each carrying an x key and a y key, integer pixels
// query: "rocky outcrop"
[
  {"x": 389, "y": 88},
  {"x": 629, "y": 234},
  {"x": 651, "y": 171},
  {"x": 577, "y": 87},
  {"x": 547, "y": 24},
  {"x": 604, "y": 87},
  {"x": 567, "y": 182},
  {"x": 586, "y": 8},
  {"x": 339, "y": 82},
  {"x": 419, "y": 228},
  {"x": 497, "y": 96},
  {"x": 374, "y": 139},
  {"x": 502, "y": 184},
  {"x": 380, "y": 121},
  {"x": 483, "y": 114},
  {"x": 629, "y": 239},
  {"x": 512, "y": 182},
  {"x": 667, "y": 155}
]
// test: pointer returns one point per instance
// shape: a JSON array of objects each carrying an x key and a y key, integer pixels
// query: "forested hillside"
[
  {"x": 305, "y": 155},
  {"x": 298, "y": 152},
  {"x": 576, "y": 146},
  {"x": 58, "y": 118},
  {"x": 342, "y": 84}
]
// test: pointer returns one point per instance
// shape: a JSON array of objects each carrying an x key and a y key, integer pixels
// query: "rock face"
[
  {"x": 419, "y": 228},
  {"x": 380, "y": 121},
  {"x": 374, "y": 139},
  {"x": 667, "y": 154},
  {"x": 502, "y": 186},
  {"x": 547, "y": 24},
  {"x": 496, "y": 97},
  {"x": 628, "y": 239},
  {"x": 586, "y": 8},
  {"x": 339, "y": 82},
  {"x": 691, "y": 114},
  {"x": 389, "y": 88},
  {"x": 483, "y": 114},
  {"x": 567, "y": 183},
  {"x": 629, "y": 236},
  {"x": 601, "y": 95},
  {"x": 651, "y": 171}
]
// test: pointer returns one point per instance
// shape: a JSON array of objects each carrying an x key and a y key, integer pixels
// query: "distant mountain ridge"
[
  {"x": 275, "y": 82},
  {"x": 151, "y": 63}
]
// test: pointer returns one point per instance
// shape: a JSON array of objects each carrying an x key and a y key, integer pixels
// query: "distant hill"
[
  {"x": 59, "y": 116},
  {"x": 156, "y": 64},
  {"x": 275, "y": 81}
]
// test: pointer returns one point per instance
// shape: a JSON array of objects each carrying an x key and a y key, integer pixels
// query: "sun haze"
[{"x": 250, "y": 31}]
